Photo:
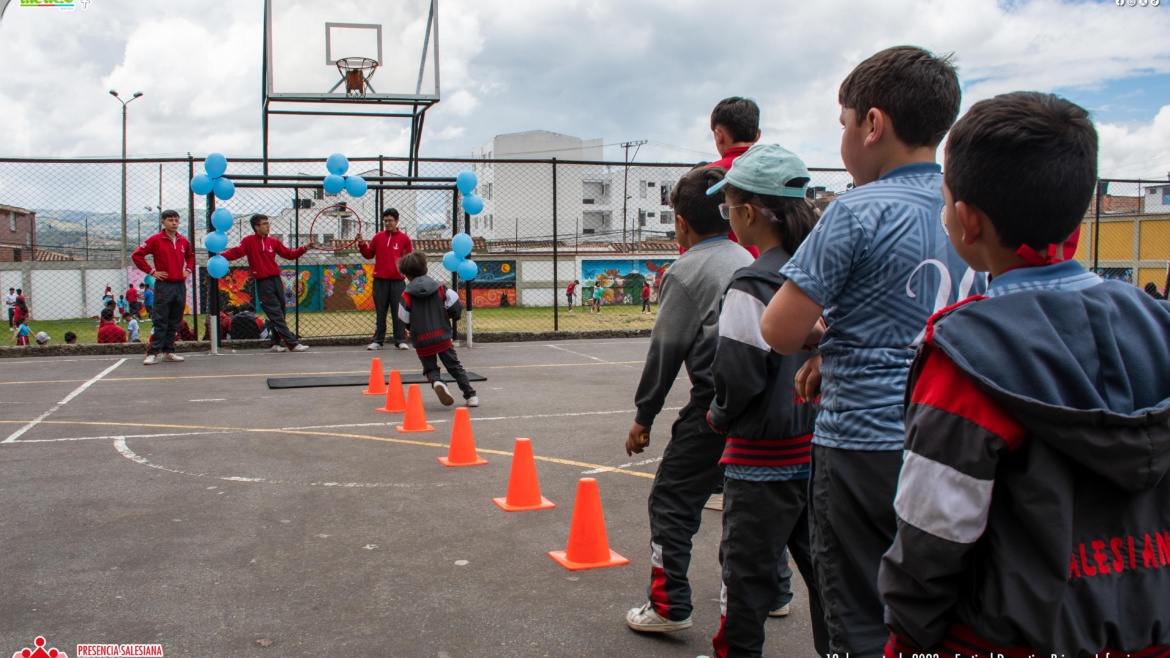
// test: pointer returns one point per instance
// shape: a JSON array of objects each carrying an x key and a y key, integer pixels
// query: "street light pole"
[{"x": 137, "y": 94}]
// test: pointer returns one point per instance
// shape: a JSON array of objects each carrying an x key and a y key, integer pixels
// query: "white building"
[
  {"x": 518, "y": 198},
  {"x": 1158, "y": 198}
]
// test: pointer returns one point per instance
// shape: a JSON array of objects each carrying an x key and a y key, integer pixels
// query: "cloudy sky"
[{"x": 619, "y": 70}]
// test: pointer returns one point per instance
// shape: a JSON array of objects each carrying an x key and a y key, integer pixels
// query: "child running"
[{"x": 427, "y": 308}]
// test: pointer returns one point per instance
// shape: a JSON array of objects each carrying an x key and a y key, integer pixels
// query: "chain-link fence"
[{"x": 545, "y": 224}]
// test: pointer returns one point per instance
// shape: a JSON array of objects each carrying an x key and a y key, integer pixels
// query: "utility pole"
[{"x": 626, "y": 181}]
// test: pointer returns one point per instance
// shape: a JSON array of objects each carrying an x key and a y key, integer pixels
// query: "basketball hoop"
[
  {"x": 342, "y": 214},
  {"x": 356, "y": 73}
]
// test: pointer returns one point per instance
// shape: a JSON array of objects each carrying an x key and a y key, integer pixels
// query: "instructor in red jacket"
[
  {"x": 262, "y": 250},
  {"x": 173, "y": 262},
  {"x": 386, "y": 247}
]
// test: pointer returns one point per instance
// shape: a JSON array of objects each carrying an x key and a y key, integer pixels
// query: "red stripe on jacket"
[{"x": 943, "y": 386}]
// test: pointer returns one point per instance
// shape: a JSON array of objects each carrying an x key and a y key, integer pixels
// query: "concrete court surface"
[{"x": 189, "y": 505}]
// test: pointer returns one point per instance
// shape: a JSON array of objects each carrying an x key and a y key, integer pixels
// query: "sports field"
[
  {"x": 361, "y": 323},
  {"x": 189, "y": 505}
]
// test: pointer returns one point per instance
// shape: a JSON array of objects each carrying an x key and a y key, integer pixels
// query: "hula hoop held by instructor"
[{"x": 386, "y": 247}]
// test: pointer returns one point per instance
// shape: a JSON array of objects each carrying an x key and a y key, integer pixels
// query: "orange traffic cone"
[
  {"x": 377, "y": 385},
  {"x": 416, "y": 418},
  {"x": 462, "y": 450},
  {"x": 395, "y": 403},
  {"x": 588, "y": 545},
  {"x": 523, "y": 489}
]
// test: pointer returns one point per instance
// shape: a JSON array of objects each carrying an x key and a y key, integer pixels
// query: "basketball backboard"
[{"x": 307, "y": 39}]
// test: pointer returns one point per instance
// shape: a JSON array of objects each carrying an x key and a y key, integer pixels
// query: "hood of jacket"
[
  {"x": 1087, "y": 372},
  {"x": 423, "y": 286}
]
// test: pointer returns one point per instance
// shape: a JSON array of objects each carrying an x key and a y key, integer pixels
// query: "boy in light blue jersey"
[{"x": 875, "y": 268}]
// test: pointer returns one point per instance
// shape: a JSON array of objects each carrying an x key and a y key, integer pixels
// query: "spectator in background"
[
  {"x": 147, "y": 300},
  {"x": 108, "y": 331},
  {"x": 131, "y": 327},
  {"x": 70, "y": 338},
  {"x": 123, "y": 305},
  {"x": 20, "y": 312},
  {"x": 570, "y": 292},
  {"x": 1152, "y": 291},
  {"x": 42, "y": 338},
  {"x": 132, "y": 304},
  {"x": 22, "y": 332},
  {"x": 10, "y": 304},
  {"x": 245, "y": 325},
  {"x": 184, "y": 333},
  {"x": 735, "y": 124}
]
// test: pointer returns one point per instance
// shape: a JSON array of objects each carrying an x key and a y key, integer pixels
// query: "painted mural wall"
[{"x": 622, "y": 279}]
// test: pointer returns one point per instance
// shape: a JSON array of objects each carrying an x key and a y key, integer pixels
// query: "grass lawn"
[{"x": 361, "y": 323}]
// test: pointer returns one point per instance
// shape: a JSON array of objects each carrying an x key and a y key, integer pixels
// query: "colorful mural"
[
  {"x": 493, "y": 287},
  {"x": 348, "y": 287},
  {"x": 622, "y": 278},
  {"x": 237, "y": 287}
]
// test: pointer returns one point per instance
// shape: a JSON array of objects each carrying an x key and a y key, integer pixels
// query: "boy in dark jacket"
[
  {"x": 1033, "y": 507},
  {"x": 768, "y": 428},
  {"x": 427, "y": 308}
]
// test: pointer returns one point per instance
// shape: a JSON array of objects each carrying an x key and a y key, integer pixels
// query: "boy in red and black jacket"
[
  {"x": 1033, "y": 508},
  {"x": 262, "y": 250},
  {"x": 427, "y": 308},
  {"x": 173, "y": 262}
]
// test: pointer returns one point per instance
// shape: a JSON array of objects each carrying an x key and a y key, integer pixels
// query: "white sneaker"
[
  {"x": 473, "y": 401},
  {"x": 402, "y": 346},
  {"x": 443, "y": 393},
  {"x": 645, "y": 620},
  {"x": 278, "y": 348},
  {"x": 171, "y": 356},
  {"x": 150, "y": 360},
  {"x": 374, "y": 346},
  {"x": 301, "y": 347},
  {"x": 782, "y": 611}
]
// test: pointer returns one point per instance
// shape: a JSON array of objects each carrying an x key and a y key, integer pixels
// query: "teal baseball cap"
[{"x": 767, "y": 169}]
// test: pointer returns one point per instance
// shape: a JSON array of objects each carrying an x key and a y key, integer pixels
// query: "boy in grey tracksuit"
[{"x": 685, "y": 332}]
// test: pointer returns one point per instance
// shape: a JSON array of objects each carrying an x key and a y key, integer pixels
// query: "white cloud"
[{"x": 623, "y": 70}]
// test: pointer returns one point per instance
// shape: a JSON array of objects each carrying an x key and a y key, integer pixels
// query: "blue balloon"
[
  {"x": 215, "y": 165},
  {"x": 333, "y": 184},
  {"x": 222, "y": 220},
  {"x": 202, "y": 184},
  {"x": 461, "y": 244},
  {"x": 356, "y": 186},
  {"x": 215, "y": 242},
  {"x": 466, "y": 181},
  {"x": 224, "y": 189},
  {"x": 468, "y": 270},
  {"x": 451, "y": 261},
  {"x": 337, "y": 164},
  {"x": 217, "y": 266},
  {"x": 472, "y": 204}
]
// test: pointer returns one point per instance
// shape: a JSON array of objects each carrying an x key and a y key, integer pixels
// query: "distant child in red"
[
  {"x": 108, "y": 331},
  {"x": 427, "y": 308},
  {"x": 645, "y": 296},
  {"x": 569, "y": 292},
  {"x": 262, "y": 250}
]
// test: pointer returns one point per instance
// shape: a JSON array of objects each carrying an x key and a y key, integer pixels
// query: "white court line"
[
  {"x": 130, "y": 436},
  {"x": 588, "y": 356},
  {"x": 433, "y": 421},
  {"x": 605, "y": 469},
  {"x": 12, "y": 437}
]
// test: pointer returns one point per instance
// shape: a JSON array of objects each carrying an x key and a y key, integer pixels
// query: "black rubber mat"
[{"x": 356, "y": 380}]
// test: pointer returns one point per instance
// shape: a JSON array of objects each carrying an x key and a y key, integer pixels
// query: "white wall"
[
  {"x": 95, "y": 284},
  {"x": 10, "y": 279},
  {"x": 64, "y": 287}
]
